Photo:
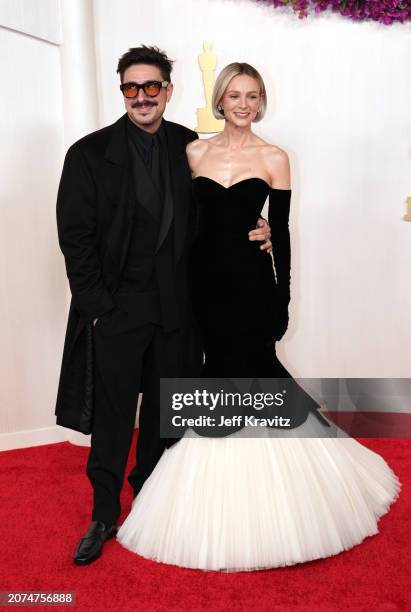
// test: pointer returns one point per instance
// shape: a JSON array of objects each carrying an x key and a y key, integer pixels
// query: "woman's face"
[{"x": 241, "y": 100}]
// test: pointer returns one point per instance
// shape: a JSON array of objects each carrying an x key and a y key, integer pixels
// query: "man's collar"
[{"x": 145, "y": 138}]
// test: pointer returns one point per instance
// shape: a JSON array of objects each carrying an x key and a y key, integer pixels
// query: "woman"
[{"x": 237, "y": 503}]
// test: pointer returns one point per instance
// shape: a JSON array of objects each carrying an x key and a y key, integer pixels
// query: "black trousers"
[{"x": 130, "y": 356}]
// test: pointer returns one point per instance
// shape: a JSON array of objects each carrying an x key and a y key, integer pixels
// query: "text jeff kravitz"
[{"x": 237, "y": 420}]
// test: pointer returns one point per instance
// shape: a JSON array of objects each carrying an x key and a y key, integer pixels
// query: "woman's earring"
[{"x": 221, "y": 110}]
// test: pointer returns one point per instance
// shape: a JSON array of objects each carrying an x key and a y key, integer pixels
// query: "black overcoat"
[{"x": 95, "y": 205}]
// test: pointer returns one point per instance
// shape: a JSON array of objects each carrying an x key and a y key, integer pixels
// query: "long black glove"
[{"x": 278, "y": 218}]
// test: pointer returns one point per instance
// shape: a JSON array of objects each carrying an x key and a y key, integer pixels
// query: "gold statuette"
[
  {"x": 206, "y": 122},
  {"x": 407, "y": 216}
]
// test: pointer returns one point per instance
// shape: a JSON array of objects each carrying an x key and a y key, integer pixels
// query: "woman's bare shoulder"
[
  {"x": 277, "y": 164},
  {"x": 272, "y": 152},
  {"x": 195, "y": 151},
  {"x": 197, "y": 147}
]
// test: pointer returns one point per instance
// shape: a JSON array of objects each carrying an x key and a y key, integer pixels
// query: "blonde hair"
[{"x": 223, "y": 79}]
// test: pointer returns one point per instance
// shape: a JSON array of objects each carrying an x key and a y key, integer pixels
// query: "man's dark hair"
[{"x": 146, "y": 55}]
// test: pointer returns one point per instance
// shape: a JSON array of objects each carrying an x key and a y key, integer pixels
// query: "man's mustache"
[{"x": 140, "y": 104}]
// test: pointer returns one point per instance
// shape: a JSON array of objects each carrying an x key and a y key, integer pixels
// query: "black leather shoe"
[{"x": 91, "y": 544}]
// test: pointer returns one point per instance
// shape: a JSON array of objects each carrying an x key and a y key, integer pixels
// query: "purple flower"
[{"x": 383, "y": 11}]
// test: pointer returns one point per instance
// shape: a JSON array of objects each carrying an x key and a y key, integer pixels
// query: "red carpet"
[{"x": 45, "y": 508}]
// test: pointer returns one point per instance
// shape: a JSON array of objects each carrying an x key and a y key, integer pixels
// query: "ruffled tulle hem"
[
  {"x": 236, "y": 505},
  {"x": 286, "y": 563}
]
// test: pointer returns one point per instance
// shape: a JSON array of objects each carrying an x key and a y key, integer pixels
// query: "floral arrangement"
[{"x": 384, "y": 11}]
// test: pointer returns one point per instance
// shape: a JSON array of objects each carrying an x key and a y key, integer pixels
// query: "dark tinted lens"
[{"x": 152, "y": 89}]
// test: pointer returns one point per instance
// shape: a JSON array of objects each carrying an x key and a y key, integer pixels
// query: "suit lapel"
[
  {"x": 168, "y": 203},
  {"x": 180, "y": 183},
  {"x": 118, "y": 183}
]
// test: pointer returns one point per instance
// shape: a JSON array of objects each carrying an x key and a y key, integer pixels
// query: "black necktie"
[{"x": 156, "y": 163}]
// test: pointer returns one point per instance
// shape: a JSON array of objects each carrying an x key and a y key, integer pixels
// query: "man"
[{"x": 125, "y": 218}]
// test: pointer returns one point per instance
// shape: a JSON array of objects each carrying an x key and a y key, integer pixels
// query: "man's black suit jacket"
[{"x": 95, "y": 204}]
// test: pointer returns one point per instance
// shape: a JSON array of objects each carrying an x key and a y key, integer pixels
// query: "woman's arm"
[{"x": 278, "y": 218}]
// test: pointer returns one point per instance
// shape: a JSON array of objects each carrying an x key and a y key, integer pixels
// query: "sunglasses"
[{"x": 150, "y": 88}]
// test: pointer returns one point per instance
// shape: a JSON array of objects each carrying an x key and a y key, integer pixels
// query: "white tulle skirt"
[{"x": 239, "y": 503}]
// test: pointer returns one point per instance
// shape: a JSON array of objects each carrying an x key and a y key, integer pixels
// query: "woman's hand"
[{"x": 262, "y": 233}]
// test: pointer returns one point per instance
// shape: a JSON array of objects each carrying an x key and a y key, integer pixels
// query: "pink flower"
[{"x": 383, "y": 11}]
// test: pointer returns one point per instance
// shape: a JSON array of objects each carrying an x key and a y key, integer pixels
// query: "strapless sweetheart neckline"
[{"x": 251, "y": 178}]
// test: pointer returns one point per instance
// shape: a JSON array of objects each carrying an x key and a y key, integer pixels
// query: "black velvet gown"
[{"x": 240, "y": 300}]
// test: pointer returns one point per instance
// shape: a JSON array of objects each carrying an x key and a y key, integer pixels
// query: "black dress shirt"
[{"x": 153, "y": 150}]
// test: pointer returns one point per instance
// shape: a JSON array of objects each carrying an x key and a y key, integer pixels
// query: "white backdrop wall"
[
  {"x": 33, "y": 289},
  {"x": 339, "y": 99},
  {"x": 48, "y": 100}
]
